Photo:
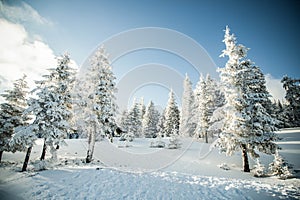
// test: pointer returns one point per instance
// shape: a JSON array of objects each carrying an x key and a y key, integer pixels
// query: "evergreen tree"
[
  {"x": 208, "y": 99},
  {"x": 218, "y": 114},
  {"x": 292, "y": 110},
  {"x": 205, "y": 98},
  {"x": 98, "y": 107},
  {"x": 161, "y": 124},
  {"x": 48, "y": 114},
  {"x": 81, "y": 110},
  {"x": 280, "y": 113},
  {"x": 52, "y": 107},
  {"x": 172, "y": 117},
  {"x": 11, "y": 114},
  {"x": 247, "y": 124},
  {"x": 63, "y": 76},
  {"x": 142, "y": 108},
  {"x": 150, "y": 121},
  {"x": 135, "y": 122},
  {"x": 124, "y": 121},
  {"x": 262, "y": 124},
  {"x": 187, "y": 120}
]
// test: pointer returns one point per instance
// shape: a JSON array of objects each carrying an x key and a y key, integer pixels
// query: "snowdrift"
[{"x": 141, "y": 172}]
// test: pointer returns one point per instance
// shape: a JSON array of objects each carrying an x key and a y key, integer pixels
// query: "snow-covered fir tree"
[
  {"x": 247, "y": 125},
  {"x": 279, "y": 167},
  {"x": 281, "y": 114},
  {"x": 23, "y": 137},
  {"x": 63, "y": 76},
  {"x": 161, "y": 124},
  {"x": 12, "y": 114},
  {"x": 47, "y": 123},
  {"x": 96, "y": 100},
  {"x": 172, "y": 117},
  {"x": 292, "y": 110},
  {"x": 81, "y": 111},
  {"x": 208, "y": 99},
  {"x": 217, "y": 117},
  {"x": 142, "y": 108},
  {"x": 150, "y": 121},
  {"x": 187, "y": 120},
  {"x": 205, "y": 98},
  {"x": 124, "y": 121},
  {"x": 52, "y": 106},
  {"x": 135, "y": 121},
  {"x": 262, "y": 122}
]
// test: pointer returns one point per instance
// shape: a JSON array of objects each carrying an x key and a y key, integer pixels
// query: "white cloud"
[
  {"x": 275, "y": 88},
  {"x": 19, "y": 55},
  {"x": 21, "y": 13},
  {"x": 20, "y": 52}
]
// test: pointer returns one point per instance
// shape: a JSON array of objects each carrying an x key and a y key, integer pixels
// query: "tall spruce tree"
[
  {"x": 23, "y": 137},
  {"x": 205, "y": 106},
  {"x": 12, "y": 114},
  {"x": 98, "y": 107},
  {"x": 52, "y": 106},
  {"x": 150, "y": 121},
  {"x": 208, "y": 99},
  {"x": 124, "y": 121},
  {"x": 218, "y": 114},
  {"x": 187, "y": 120},
  {"x": 172, "y": 117},
  {"x": 292, "y": 110},
  {"x": 281, "y": 115},
  {"x": 142, "y": 108},
  {"x": 135, "y": 120},
  {"x": 247, "y": 124},
  {"x": 161, "y": 124},
  {"x": 63, "y": 76}
]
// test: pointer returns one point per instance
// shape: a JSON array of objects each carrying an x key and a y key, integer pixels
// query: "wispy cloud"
[
  {"x": 275, "y": 88},
  {"x": 19, "y": 55},
  {"x": 21, "y": 13},
  {"x": 21, "y": 52}
]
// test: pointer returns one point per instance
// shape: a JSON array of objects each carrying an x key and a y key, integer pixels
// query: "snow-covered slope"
[{"x": 140, "y": 172}]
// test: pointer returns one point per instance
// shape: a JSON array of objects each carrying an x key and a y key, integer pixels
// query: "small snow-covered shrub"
[
  {"x": 224, "y": 166},
  {"x": 279, "y": 167},
  {"x": 174, "y": 142},
  {"x": 157, "y": 144},
  {"x": 40, "y": 165},
  {"x": 259, "y": 169},
  {"x": 126, "y": 137}
]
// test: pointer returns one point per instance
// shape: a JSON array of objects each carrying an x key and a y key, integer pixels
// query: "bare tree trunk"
[
  {"x": 206, "y": 137},
  {"x": 1, "y": 153},
  {"x": 57, "y": 146},
  {"x": 245, "y": 158},
  {"x": 44, "y": 151},
  {"x": 26, "y": 159},
  {"x": 91, "y": 145}
]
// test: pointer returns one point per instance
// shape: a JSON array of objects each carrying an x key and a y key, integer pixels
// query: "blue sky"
[{"x": 269, "y": 28}]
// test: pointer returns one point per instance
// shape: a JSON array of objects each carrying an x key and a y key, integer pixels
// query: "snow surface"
[{"x": 140, "y": 172}]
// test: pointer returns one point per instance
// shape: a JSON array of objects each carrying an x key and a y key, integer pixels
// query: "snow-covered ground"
[{"x": 140, "y": 172}]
